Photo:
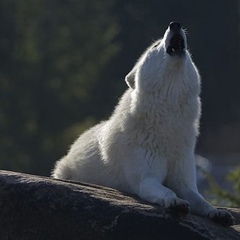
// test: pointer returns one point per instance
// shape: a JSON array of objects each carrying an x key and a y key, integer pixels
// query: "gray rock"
[{"x": 34, "y": 208}]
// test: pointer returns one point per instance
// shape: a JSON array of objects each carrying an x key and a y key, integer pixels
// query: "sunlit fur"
[{"x": 147, "y": 145}]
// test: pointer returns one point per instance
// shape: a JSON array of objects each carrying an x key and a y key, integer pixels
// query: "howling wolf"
[{"x": 147, "y": 146}]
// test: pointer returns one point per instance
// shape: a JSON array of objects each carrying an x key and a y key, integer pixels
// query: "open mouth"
[{"x": 176, "y": 45}]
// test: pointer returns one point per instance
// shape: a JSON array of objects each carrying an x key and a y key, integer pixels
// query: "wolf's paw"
[
  {"x": 222, "y": 217},
  {"x": 177, "y": 206}
]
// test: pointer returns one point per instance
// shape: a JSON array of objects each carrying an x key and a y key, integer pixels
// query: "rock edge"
[{"x": 35, "y": 207}]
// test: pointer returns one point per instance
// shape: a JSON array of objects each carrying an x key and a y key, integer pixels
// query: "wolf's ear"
[{"x": 130, "y": 79}]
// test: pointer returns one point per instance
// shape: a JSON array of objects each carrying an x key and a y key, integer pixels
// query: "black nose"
[{"x": 175, "y": 26}]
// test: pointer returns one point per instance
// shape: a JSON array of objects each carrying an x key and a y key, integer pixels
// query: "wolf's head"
[{"x": 165, "y": 60}]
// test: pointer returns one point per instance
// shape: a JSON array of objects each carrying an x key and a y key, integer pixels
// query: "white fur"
[{"x": 147, "y": 145}]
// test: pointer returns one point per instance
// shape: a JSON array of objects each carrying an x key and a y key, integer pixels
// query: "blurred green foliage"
[
  {"x": 52, "y": 54},
  {"x": 223, "y": 197}
]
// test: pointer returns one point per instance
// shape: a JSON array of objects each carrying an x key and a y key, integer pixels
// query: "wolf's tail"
[{"x": 62, "y": 169}]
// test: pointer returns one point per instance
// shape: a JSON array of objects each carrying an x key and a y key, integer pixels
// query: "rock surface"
[{"x": 34, "y": 207}]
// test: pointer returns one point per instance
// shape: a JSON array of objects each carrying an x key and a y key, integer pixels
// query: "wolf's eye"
[{"x": 155, "y": 45}]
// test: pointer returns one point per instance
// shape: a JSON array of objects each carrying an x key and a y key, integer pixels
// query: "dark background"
[{"x": 63, "y": 63}]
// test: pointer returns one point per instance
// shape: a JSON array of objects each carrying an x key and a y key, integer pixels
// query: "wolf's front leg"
[
  {"x": 184, "y": 185},
  {"x": 151, "y": 190},
  {"x": 201, "y": 207}
]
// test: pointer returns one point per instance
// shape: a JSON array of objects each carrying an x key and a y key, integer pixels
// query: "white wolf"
[{"x": 147, "y": 145}]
